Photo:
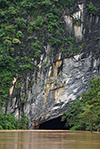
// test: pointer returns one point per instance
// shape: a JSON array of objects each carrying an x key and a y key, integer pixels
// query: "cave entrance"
[{"x": 54, "y": 124}]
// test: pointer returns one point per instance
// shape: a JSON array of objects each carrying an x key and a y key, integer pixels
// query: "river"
[{"x": 49, "y": 139}]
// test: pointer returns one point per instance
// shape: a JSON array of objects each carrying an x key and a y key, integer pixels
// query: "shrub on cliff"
[
  {"x": 24, "y": 122},
  {"x": 92, "y": 9}
]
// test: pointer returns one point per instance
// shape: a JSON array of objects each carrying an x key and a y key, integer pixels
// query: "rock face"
[{"x": 50, "y": 90}]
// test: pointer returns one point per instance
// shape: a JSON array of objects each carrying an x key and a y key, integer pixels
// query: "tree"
[
  {"x": 71, "y": 116},
  {"x": 92, "y": 93},
  {"x": 91, "y": 114}
]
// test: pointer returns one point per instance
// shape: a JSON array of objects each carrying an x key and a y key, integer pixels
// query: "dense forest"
[{"x": 26, "y": 26}]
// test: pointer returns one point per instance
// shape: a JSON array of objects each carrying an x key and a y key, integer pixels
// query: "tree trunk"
[
  {"x": 7, "y": 100},
  {"x": 92, "y": 126},
  {"x": 84, "y": 127}
]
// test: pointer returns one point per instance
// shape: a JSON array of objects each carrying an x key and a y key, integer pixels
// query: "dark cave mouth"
[{"x": 54, "y": 124}]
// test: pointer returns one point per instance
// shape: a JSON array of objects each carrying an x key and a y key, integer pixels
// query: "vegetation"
[
  {"x": 84, "y": 113},
  {"x": 8, "y": 121},
  {"x": 24, "y": 122},
  {"x": 93, "y": 9}
]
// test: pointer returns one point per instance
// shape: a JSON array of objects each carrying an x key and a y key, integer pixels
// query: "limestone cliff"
[{"x": 50, "y": 89}]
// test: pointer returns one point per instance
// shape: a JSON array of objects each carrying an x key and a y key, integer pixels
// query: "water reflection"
[{"x": 49, "y": 140}]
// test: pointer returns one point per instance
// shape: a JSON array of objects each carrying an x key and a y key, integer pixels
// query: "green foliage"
[
  {"x": 72, "y": 115},
  {"x": 57, "y": 32},
  {"x": 96, "y": 31},
  {"x": 52, "y": 22},
  {"x": 3, "y": 3},
  {"x": 7, "y": 43},
  {"x": 24, "y": 122},
  {"x": 70, "y": 43},
  {"x": 18, "y": 85},
  {"x": 29, "y": 38},
  {"x": 84, "y": 113},
  {"x": 30, "y": 29},
  {"x": 92, "y": 93},
  {"x": 55, "y": 83},
  {"x": 21, "y": 23},
  {"x": 51, "y": 17},
  {"x": 35, "y": 25},
  {"x": 12, "y": 51},
  {"x": 1, "y": 127},
  {"x": 80, "y": 47},
  {"x": 16, "y": 41},
  {"x": 77, "y": 21},
  {"x": 27, "y": 4},
  {"x": 35, "y": 47},
  {"x": 19, "y": 35},
  {"x": 92, "y": 9},
  {"x": 8, "y": 121},
  {"x": 10, "y": 29},
  {"x": 46, "y": 2},
  {"x": 90, "y": 115},
  {"x": 7, "y": 66},
  {"x": 98, "y": 38},
  {"x": 77, "y": 127},
  {"x": 24, "y": 101},
  {"x": 11, "y": 11},
  {"x": 55, "y": 42},
  {"x": 71, "y": 39},
  {"x": 66, "y": 2},
  {"x": 28, "y": 66}
]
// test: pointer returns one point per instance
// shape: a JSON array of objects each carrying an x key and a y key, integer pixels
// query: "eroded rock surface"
[
  {"x": 64, "y": 78},
  {"x": 51, "y": 95}
]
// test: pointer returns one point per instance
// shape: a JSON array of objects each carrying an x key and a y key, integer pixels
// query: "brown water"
[{"x": 41, "y": 139}]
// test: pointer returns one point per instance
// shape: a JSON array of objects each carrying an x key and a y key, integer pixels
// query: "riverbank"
[{"x": 38, "y": 130}]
